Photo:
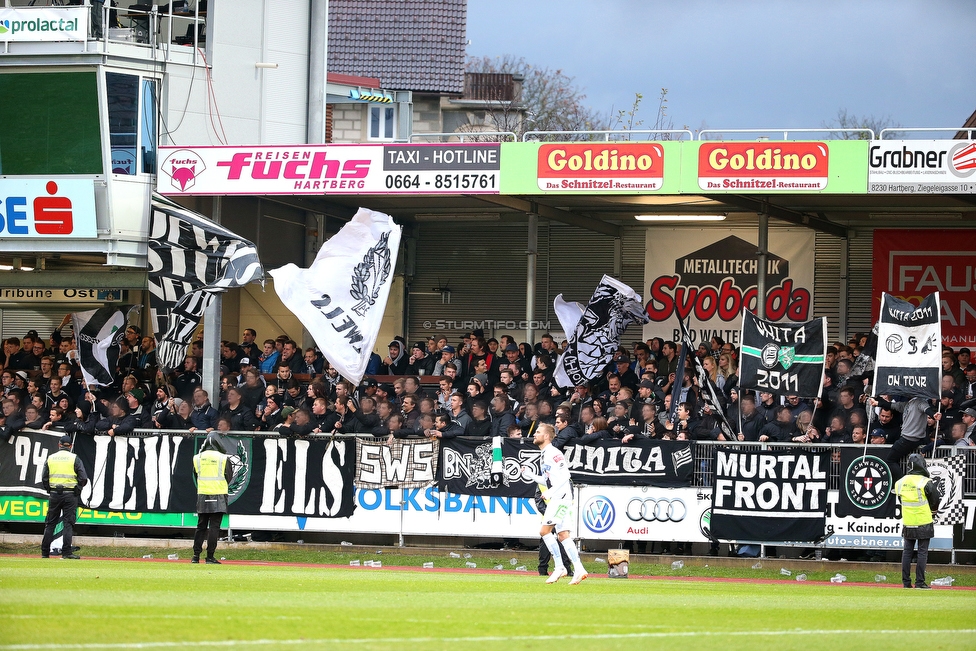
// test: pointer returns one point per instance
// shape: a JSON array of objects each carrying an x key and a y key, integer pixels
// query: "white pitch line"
[{"x": 485, "y": 638}]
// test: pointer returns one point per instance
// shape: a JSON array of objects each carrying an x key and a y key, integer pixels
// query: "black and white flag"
[
  {"x": 909, "y": 361},
  {"x": 191, "y": 259},
  {"x": 98, "y": 334},
  {"x": 594, "y": 338},
  {"x": 341, "y": 297},
  {"x": 708, "y": 392},
  {"x": 783, "y": 358}
]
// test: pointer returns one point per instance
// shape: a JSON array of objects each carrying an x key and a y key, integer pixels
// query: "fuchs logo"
[
  {"x": 183, "y": 167},
  {"x": 598, "y": 514},
  {"x": 763, "y": 166},
  {"x": 720, "y": 279},
  {"x": 868, "y": 482},
  {"x": 962, "y": 159}
]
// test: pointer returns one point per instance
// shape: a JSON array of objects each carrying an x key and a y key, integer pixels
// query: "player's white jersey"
[{"x": 556, "y": 471}]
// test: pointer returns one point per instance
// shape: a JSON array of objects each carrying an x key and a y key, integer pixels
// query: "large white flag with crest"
[{"x": 341, "y": 298}]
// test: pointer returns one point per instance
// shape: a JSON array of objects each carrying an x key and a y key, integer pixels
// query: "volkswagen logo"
[
  {"x": 598, "y": 514},
  {"x": 651, "y": 509}
]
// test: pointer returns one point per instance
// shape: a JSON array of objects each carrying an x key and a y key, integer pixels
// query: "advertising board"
[{"x": 456, "y": 168}]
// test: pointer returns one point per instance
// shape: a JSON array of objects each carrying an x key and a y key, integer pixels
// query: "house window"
[{"x": 382, "y": 122}]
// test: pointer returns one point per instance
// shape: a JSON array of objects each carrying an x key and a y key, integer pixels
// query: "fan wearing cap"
[
  {"x": 420, "y": 363},
  {"x": 396, "y": 362},
  {"x": 213, "y": 472},
  {"x": 446, "y": 359},
  {"x": 63, "y": 478}
]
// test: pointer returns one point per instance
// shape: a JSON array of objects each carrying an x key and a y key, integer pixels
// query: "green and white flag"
[{"x": 783, "y": 358}]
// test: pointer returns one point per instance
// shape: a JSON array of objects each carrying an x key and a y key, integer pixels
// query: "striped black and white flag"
[
  {"x": 595, "y": 335},
  {"x": 909, "y": 359},
  {"x": 191, "y": 259},
  {"x": 708, "y": 392},
  {"x": 98, "y": 334}
]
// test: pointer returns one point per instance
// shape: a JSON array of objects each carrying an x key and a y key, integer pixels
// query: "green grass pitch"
[{"x": 95, "y": 604}]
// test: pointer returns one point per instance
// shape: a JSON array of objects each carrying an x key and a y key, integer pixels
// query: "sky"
[{"x": 749, "y": 63}]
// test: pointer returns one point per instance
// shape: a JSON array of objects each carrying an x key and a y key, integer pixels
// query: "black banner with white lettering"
[
  {"x": 465, "y": 468},
  {"x": 783, "y": 358},
  {"x": 402, "y": 464},
  {"x": 776, "y": 496},
  {"x": 909, "y": 361},
  {"x": 22, "y": 460},
  {"x": 142, "y": 474},
  {"x": 866, "y": 484},
  {"x": 642, "y": 462},
  {"x": 272, "y": 476}
]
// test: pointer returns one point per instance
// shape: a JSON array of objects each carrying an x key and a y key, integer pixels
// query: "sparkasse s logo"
[{"x": 183, "y": 167}]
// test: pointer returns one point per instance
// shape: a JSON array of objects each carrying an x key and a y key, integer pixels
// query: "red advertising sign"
[
  {"x": 763, "y": 166},
  {"x": 601, "y": 166},
  {"x": 911, "y": 264}
]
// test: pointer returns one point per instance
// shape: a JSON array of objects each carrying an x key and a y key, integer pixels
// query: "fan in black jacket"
[
  {"x": 242, "y": 418},
  {"x": 480, "y": 425}
]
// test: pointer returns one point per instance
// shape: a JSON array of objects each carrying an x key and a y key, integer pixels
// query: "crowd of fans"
[{"x": 476, "y": 388}]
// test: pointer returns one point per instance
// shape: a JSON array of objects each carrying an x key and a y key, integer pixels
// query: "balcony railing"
[{"x": 171, "y": 33}]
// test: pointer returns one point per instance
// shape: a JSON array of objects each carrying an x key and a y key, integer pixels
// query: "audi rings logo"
[
  {"x": 652, "y": 509},
  {"x": 598, "y": 514}
]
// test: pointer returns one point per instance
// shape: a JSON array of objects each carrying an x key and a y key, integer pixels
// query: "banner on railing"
[
  {"x": 866, "y": 485},
  {"x": 466, "y": 468},
  {"x": 402, "y": 464},
  {"x": 777, "y": 496},
  {"x": 948, "y": 473},
  {"x": 642, "y": 462},
  {"x": 22, "y": 460},
  {"x": 154, "y": 473}
]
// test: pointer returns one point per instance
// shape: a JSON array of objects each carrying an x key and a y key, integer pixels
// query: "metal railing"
[
  {"x": 954, "y": 130},
  {"x": 532, "y": 136},
  {"x": 785, "y": 132},
  {"x": 461, "y": 136},
  {"x": 704, "y": 472}
]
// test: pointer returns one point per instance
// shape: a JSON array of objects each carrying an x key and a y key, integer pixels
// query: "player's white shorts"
[{"x": 559, "y": 515}]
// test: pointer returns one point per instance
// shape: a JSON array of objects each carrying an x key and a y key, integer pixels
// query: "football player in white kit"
[{"x": 560, "y": 508}]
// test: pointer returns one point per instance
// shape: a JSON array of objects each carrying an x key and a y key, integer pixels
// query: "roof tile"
[{"x": 375, "y": 38}]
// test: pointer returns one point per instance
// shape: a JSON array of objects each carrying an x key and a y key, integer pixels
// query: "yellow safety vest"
[
  {"x": 915, "y": 510},
  {"x": 61, "y": 470},
  {"x": 210, "y": 466}
]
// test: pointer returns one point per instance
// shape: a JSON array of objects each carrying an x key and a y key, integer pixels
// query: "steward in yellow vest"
[
  {"x": 919, "y": 498},
  {"x": 63, "y": 477},
  {"x": 213, "y": 471}
]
